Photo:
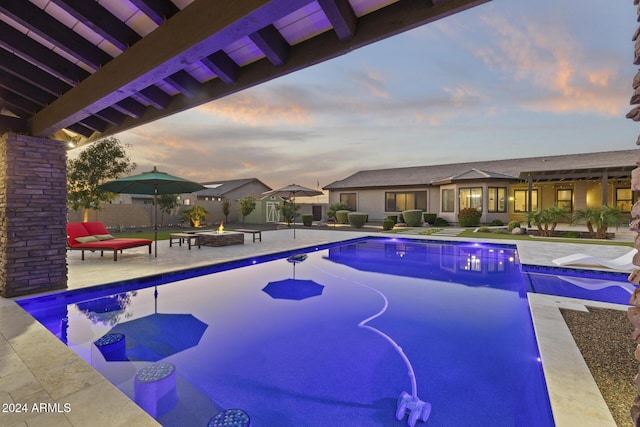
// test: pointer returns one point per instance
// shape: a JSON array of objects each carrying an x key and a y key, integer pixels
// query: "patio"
[{"x": 37, "y": 368}]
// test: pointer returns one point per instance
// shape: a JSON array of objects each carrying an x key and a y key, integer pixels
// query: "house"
[
  {"x": 501, "y": 189},
  {"x": 212, "y": 199}
]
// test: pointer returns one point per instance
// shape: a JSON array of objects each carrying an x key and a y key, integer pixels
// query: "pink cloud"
[
  {"x": 260, "y": 108},
  {"x": 550, "y": 59}
]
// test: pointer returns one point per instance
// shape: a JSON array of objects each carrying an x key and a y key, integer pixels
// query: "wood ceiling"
[{"x": 80, "y": 70}]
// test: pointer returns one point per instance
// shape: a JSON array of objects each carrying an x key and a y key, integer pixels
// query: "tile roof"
[{"x": 491, "y": 169}]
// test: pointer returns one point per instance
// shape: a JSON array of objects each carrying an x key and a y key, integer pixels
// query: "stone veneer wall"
[
  {"x": 634, "y": 312},
  {"x": 33, "y": 209}
]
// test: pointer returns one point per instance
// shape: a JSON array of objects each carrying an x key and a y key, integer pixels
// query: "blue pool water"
[{"x": 459, "y": 312}]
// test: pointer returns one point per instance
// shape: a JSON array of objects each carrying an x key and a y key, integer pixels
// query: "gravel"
[{"x": 604, "y": 338}]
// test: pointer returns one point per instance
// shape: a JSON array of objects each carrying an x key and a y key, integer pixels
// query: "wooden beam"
[
  {"x": 32, "y": 74},
  {"x": 203, "y": 27},
  {"x": 130, "y": 107},
  {"x": 155, "y": 96},
  {"x": 15, "y": 41},
  {"x": 24, "y": 89},
  {"x": 94, "y": 123},
  {"x": 81, "y": 129},
  {"x": 341, "y": 16},
  {"x": 157, "y": 10},
  {"x": 100, "y": 21},
  {"x": 272, "y": 44},
  {"x": 44, "y": 25},
  {"x": 19, "y": 101},
  {"x": 110, "y": 115},
  {"x": 386, "y": 22},
  {"x": 222, "y": 64},
  {"x": 184, "y": 83}
]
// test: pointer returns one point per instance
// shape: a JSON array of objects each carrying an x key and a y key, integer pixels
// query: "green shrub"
[
  {"x": 307, "y": 219},
  {"x": 484, "y": 230},
  {"x": 357, "y": 219},
  {"x": 341, "y": 216},
  {"x": 388, "y": 224},
  {"x": 412, "y": 217},
  {"x": 572, "y": 235},
  {"x": 496, "y": 223},
  {"x": 440, "y": 222},
  {"x": 512, "y": 225},
  {"x": 335, "y": 207},
  {"x": 430, "y": 218},
  {"x": 469, "y": 217},
  {"x": 393, "y": 218}
]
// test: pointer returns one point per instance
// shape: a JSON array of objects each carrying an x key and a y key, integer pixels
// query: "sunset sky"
[{"x": 507, "y": 79}]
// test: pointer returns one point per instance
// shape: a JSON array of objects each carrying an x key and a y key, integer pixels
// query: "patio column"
[
  {"x": 605, "y": 188},
  {"x": 33, "y": 212}
]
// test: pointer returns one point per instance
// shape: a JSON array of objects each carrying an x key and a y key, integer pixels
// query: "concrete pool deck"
[{"x": 43, "y": 382}]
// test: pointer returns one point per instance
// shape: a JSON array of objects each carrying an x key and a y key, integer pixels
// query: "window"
[
  {"x": 521, "y": 200},
  {"x": 397, "y": 202},
  {"x": 624, "y": 199},
  {"x": 565, "y": 199},
  {"x": 186, "y": 202},
  {"x": 348, "y": 199},
  {"x": 448, "y": 201},
  {"x": 471, "y": 198},
  {"x": 497, "y": 199}
]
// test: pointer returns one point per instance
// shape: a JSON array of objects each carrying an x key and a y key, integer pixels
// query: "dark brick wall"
[{"x": 32, "y": 215}]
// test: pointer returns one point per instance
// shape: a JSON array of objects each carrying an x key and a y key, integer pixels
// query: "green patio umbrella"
[{"x": 152, "y": 183}]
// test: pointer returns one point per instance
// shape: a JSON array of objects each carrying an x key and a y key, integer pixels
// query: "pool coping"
[{"x": 23, "y": 340}]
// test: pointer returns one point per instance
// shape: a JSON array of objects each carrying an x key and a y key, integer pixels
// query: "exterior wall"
[
  {"x": 585, "y": 194},
  {"x": 125, "y": 216},
  {"x": 33, "y": 207}
]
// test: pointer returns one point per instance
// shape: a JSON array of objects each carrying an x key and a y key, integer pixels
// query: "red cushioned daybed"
[{"x": 94, "y": 236}]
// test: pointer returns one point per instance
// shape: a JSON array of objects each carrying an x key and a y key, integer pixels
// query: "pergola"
[{"x": 74, "y": 71}]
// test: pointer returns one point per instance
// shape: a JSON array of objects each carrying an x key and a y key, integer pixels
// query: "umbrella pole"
[
  {"x": 294, "y": 214},
  {"x": 155, "y": 227}
]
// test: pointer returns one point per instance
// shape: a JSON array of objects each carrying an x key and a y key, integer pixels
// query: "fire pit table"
[{"x": 224, "y": 238}]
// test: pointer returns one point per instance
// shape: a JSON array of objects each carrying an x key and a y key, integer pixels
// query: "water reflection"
[
  {"x": 472, "y": 265},
  {"x": 107, "y": 310}
]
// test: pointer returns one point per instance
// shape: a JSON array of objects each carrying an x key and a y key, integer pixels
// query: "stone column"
[
  {"x": 33, "y": 211},
  {"x": 634, "y": 312}
]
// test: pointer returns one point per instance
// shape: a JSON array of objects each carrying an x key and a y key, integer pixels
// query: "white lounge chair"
[
  {"x": 598, "y": 284},
  {"x": 623, "y": 262}
]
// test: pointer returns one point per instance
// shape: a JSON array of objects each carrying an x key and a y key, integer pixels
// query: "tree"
[
  {"x": 547, "y": 219},
  {"x": 289, "y": 211},
  {"x": 246, "y": 205},
  {"x": 102, "y": 161},
  {"x": 194, "y": 215},
  {"x": 226, "y": 209},
  {"x": 601, "y": 218},
  {"x": 167, "y": 202}
]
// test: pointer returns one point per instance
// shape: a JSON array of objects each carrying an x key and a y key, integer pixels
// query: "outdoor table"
[
  {"x": 250, "y": 231},
  {"x": 184, "y": 237}
]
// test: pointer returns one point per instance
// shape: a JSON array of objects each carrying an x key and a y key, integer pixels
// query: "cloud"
[
  {"x": 276, "y": 105},
  {"x": 548, "y": 56}
]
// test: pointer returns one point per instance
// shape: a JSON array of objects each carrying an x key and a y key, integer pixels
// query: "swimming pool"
[{"x": 459, "y": 312}]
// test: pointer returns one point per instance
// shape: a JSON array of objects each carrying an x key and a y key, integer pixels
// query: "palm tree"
[
  {"x": 547, "y": 219},
  {"x": 601, "y": 218}
]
